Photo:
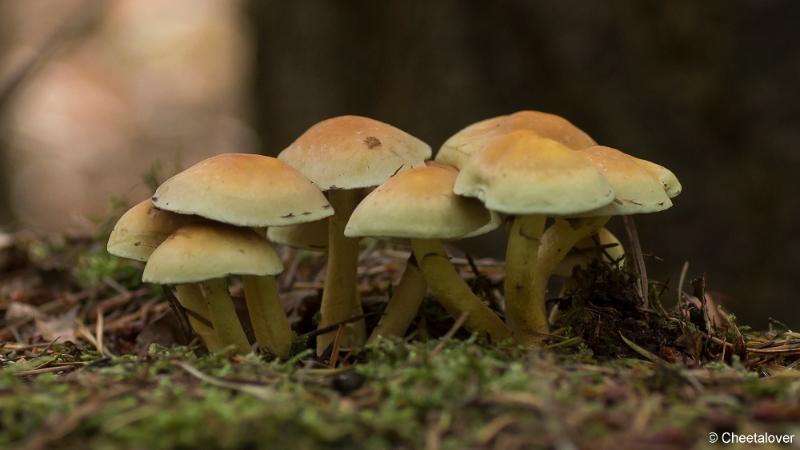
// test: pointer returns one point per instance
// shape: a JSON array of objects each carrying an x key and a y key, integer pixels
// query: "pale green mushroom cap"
[
  {"x": 244, "y": 190},
  {"x": 200, "y": 252},
  {"x": 462, "y": 145},
  {"x": 523, "y": 173},
  {"x": 143, "y": 228},
  {"x": 419, "y": 204},
  {"x": 636, "y": 190},
  {"x": 671, "y": 184},
  {"x": 350, "y": 152}
]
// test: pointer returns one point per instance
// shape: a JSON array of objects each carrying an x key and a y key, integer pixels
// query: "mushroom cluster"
[{"x": 351, "y": 177}]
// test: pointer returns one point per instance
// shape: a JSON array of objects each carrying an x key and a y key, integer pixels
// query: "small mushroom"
[
  {"x": 137, "y": 234},
  {"x": 636, "y": 190},
  {"x": 249, "y": 191},
  {"x": 419, "y": 205},
  {"x": 462, "y": 145},
  {"x": 530, "y": 177},
  {"x": 343, "y": 156},
  {"x": 208, "y": 253}
]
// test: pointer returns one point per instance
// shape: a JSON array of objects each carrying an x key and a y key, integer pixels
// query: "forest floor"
[{"x": 615, "y": 373}]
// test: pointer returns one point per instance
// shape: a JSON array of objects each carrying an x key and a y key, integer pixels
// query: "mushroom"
[
  {"x": 249, "y": 191},
  {"x": 636, "y": 191},
  {"x": 343, "y": 156},
  {"x": 307, "y": 236},
  {"x": 462, "y": 145},
  {"x": 207, "y": 253},
  {"x": 531, "y": 177},
  {"x": 671, "y": 184},
  {"x": 601, "y": 246},
  {"x": 137, "y": 234},
  {"x": 419, "y": 204}
]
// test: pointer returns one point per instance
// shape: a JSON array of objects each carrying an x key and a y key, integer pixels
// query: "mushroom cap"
[
  {"x": 245, "y": 190},
  {"x": 671, "y": 184},
  {"x": 201, "y": 252},
  {"x": 306, "y": 236},
  {"x": 524, "y": 173},
  {"x": 418, "y": 204},
  {"x": 143, "y": 228},
  {"x": 610, "y": 250},
  {"x": 636, "y": 190},
  {"x": 349, "y": 152},
  {"x": 462, "y": 145}
]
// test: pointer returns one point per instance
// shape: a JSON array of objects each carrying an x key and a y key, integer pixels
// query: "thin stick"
[
  {"x": 450, "y": 333},
  {"x": 638, "y": 257}
]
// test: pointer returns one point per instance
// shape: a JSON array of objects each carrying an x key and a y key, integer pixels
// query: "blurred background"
[{"x": 98, "y": 95}]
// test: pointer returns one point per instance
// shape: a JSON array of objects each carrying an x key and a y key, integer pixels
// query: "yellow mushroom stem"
[
  {"x": 190, "y": 296},
  {"x": 453, "y": 293},
  {"x": 526, "y": 319},
  {"x": 267, "y": 316},
  {"x": 340, "y": 299},
  {"x": 556, "y": 242},
  {"x": 223, "y": 316},
  {"x": 404, "y": 304}
]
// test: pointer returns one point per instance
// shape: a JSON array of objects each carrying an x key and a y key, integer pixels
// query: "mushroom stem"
[
  {"x": 404, "y": 304},
  {"x": 267, "y": 316},
  {"x": 190, "y": 296},
  {"x": 526, "y": 318},
  {"x": 223, "y": 315},
  {"x": 339, "y": 296},
  {"x": 556, "y": 242},
  {"x": 453, "y": 293}
]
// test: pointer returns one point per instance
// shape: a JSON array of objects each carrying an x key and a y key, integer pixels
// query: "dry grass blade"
[{"x": 450, "y": 333}]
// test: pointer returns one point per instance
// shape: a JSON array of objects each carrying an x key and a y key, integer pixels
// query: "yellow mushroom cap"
[
  {"x": 523, "y": 173},
  {"x": 143, "y": 228},
  {"x": 201, "y": 252},
  {"x": 610, "y": 250},
  {"x": 244, "y": 190},
  {"x": 307, "y": 236},
  {"x": 462, "y": 145},
  {"x": 637, "y": 191},
  {"x": 671, "y": 184},
  {"x": 418, "y": 203},
  {"x": 349, "y": 152}
]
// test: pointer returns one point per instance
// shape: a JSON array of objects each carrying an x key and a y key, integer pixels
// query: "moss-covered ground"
[{"x": 616, "y": 373}]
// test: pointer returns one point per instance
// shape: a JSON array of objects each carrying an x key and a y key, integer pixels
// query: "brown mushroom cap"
[
  {"x": 419, "y": 203},
  {"x": 200, "y": 252},
  {"x": 462, "y": 145},
  {"x": 143, "y": 228},
  {"x": 349, "y": 152},
  {"x": 636, "y": 190},
  {"x": 523, "y": 173},
  {"x": 244, "y": 190}
]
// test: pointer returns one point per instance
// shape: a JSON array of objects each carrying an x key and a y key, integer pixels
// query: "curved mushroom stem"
[
  {"x": 339, "y": 296},
  {"x": 404, "y": 304},
  {"x": 556, "y": 242},
  {"x": 190, "y": 296},
  {"x": 267, "y": 316},
  {"x": 453, "y": 293},
  {"x": 569, "y": 285},
  {"x": 526, "y": 319},
  {"x": 223, "y": 315}
]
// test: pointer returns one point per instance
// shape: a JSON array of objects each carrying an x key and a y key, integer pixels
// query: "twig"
[
  {"x": 450, "y": 333},
  {"x": 636, "y": 248}
]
